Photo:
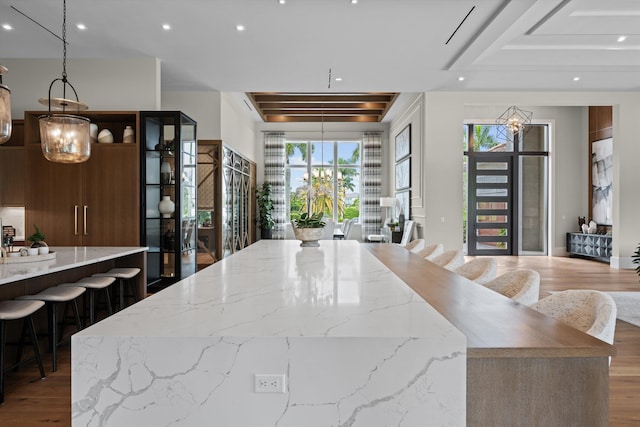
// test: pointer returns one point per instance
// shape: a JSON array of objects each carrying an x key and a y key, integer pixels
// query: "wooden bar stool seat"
[
  {"x": 16, "y": 310},
  {"x": 53, "y": 297},
  {"x": 92, "y": 285},
  {"x": 125, "y": 276}
]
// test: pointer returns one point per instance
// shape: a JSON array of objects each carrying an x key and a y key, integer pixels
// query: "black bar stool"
[
  {"x": 125, "y": 276},
  {"x": 92, "y": 285},
  {"x": 16, "y": 310},
  {"x": 53, "y": 297}
]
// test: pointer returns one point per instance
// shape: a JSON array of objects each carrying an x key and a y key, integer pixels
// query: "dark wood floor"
[{"x": 33, "y": 402}]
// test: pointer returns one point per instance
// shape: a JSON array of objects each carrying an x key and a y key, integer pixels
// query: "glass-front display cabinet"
[{"x": 169, "y": 183}]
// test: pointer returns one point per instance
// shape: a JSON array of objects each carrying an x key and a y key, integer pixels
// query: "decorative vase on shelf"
[
  {"x": 128, "y": 136},
  {"x": 166, "y": 207},
  {"x": 165, "y": 173}
]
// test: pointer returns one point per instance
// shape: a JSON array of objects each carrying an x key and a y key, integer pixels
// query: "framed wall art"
[
  {"x": 403, "y": 198},
  {"x": 403, "y": 143},
  {"x": 403, "y": 174},
  {"x": 602, "y": 181}
]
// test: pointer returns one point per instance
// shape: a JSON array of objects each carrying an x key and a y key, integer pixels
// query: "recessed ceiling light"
[
  {"x": 240, "y": 27},
  {"x": 338, "y": 79},
  {"x": 622, "y": 38},
  {"x": 354, "y": 1},
  {"x": 7, "y": 27},
  {"x": 81, "y": 26},
  {"x": 461, "y": 78},
  {"x": 282, "y": 1},
  {"x": 576, "y": 78},
  {"x": 166, "y": 27}
]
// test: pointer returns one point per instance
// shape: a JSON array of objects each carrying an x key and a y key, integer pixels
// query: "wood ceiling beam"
[
  {"x": 320, "y": 106},
  {"x": 323, "y": 98},
  {"x": 326, "y": 113},
  {"x": 354, "y": 119}
]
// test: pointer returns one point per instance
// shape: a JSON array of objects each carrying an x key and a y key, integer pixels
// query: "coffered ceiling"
[
  {"x": 379, "y": 46},
  {"x": 318, "y": 107}
]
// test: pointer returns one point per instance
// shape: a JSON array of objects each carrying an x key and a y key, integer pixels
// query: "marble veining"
[{"x": 357, "y": 345}]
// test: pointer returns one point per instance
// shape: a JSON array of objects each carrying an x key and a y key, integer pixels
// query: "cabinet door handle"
[
  {"x": 85, "y": 209},
  {"x": 75, "y": 219}
]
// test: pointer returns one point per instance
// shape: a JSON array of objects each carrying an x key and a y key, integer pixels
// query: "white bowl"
[
  {"x": 32, "y": 251},
  {"x": 43, "y": 250},
  {"x": 13, "y": 254}
]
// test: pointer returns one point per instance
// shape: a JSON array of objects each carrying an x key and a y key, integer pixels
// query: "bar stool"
[
  {"x": 16, "y": 310},
  {"x": 125, "y": 275},
  {"x": 53, "y": 297},
  {"x": 93, "y": 284}
]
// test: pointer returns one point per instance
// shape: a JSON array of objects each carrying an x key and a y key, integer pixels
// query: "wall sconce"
[
  {"x": 64, "y": 138},
  {"x": 5, "y": 109},
  {"x": 513, "y": 121}
]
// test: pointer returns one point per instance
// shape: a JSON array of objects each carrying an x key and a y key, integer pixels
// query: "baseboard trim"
[{"x": 622, "y": 263}]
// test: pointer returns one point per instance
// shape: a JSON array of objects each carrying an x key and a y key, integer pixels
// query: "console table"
[{"x": 597, "y": 246}]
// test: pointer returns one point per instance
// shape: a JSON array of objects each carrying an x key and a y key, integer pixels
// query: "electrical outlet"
[{"x": 269, "y": 383}]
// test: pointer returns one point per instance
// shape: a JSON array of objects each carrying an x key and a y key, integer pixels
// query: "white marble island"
[{"x": 357, "y": 346}]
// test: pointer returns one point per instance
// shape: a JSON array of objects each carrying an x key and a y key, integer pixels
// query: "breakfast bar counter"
[
  {"x": 68, "y": 265},
  {"x": 343, "y": 342},
  {"x": 349, "y": 334}
]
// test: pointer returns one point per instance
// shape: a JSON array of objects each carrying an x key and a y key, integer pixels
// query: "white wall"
[
  {"x": 202, "y": 106},
  {"x": 444, "y": 113},
  {"x": 102, "y": 84},
  {"x": 238, "y": 129}
]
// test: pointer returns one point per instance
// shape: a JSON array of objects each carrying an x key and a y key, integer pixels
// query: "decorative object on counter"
[
  {"x": 585, "y": 229},
  {"x": 5, "y": 109},
  {"x": 593, "y": 227},
  {"x": 265, "y": 210},
  {"x": 309, "y": 229},
  {"x": 93, "y": 133},
  {"x": 165, "y": 173},
  {"x": 128, "y": 136},
  {"x": 64, "y": 137},
  {"x": 105, "y": 136},
  {"x": 166, "y": 207},
  {"x": 581, "y": 221},
  {"x": 37, "y": 238}
]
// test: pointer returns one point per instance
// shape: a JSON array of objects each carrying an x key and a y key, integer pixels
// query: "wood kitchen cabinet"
[
  {"x": 12, "y": 167},
  {"x": 95, "y": 203}
]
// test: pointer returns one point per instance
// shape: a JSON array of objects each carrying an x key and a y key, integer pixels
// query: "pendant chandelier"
[
  {"x": 64, "y": 137},
  {"x": 5, "y": 109},
  {"x": 513, "y": 123}
]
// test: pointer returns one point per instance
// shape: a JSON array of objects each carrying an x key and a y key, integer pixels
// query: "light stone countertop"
[
  {"x": 66, "y": 258},
  {"x": 276, "y": 288}
]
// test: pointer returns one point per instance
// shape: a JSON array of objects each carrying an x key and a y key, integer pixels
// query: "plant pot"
[
  {"x": 266, "y": 234},
  {"x": 309, "y": 236}
]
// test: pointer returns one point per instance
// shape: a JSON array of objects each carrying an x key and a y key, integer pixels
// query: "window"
[{"x": 323, "y": 176}]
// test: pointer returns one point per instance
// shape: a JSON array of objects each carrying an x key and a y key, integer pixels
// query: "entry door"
[{"x": 492, "y": 205}]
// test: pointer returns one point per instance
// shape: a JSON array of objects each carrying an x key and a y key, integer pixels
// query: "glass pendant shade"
[
  {"x": 65, "y": 138},
  {"x": 5, "y": 110}
]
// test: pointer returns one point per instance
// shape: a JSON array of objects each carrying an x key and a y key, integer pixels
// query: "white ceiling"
[{"x": 375, "y": 45}]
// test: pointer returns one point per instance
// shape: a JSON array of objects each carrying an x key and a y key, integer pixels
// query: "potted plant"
[
  {"x": 37, "y": 238},
  {"x": 265, "y": 210},
  {"x": 309, "y": 229},
  {"x": 636, "y": 259}
]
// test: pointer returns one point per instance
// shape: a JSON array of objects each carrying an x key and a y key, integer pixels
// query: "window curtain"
[
  {"x": 371, "y": 182},
  {"x": 274, "y": 161}
]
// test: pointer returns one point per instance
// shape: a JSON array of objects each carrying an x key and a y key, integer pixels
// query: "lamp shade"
[
  {"x": 387, "y": 202},
  {"x": 65, "y": 138}
]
